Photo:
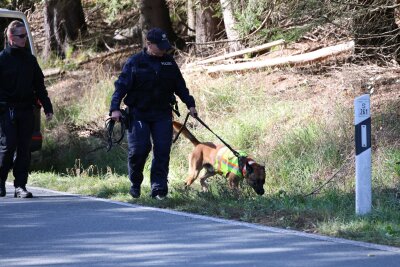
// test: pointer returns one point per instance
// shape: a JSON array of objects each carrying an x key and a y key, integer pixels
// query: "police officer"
[
  {"x": 148, "y": 83},
  {"x": 21, "y": 81}
]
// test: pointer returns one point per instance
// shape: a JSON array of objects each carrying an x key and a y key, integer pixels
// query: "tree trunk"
[
  {"x": 229, "y": 21},
  {"x": 64, "y": 23},
  {"x": 208, "y": 25},
  {"x": 22, "y": 5},
  {"x": 376, "y": 33},
  {"x": 191, "y": 14},
  {"x": 155, "y": 13}
]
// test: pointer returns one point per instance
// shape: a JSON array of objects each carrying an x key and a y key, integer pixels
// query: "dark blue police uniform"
[{"x": 147, "y": 85}]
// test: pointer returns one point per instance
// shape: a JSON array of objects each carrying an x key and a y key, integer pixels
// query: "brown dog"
[{"x": 210, "y": 156}]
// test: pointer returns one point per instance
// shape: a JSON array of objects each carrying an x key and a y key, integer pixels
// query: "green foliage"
[
  {"x": 287, "y": 20},
  {"x": 113, "y": 8},
  {"x": 5, "y": 3},
  {"x": 387, "y": 171},
  {"x": 104, "y": 185},
  {"x": 251, "y": 16},
  {"x": 51, "y": 62},
  {"x": 313, "y": 8},
  {"x": 177, "y": 12},
  {"x": 70, "y": 138},
  {"x": 287, "y": 35},
  {"x": 303, "y": 153}
]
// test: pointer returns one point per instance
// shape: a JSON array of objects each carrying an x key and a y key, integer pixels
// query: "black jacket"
[
  {"x": 21, "y": 79},
  {"x": 150, "y": 83}
]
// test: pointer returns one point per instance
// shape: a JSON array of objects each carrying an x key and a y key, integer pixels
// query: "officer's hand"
[
  {"x": 49, "y": 116},
  {"x": 116, "y": 115},
  {"x": 193, "y": 112}
]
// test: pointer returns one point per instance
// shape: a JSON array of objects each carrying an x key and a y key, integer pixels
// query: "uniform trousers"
[
  {"x": 143, "y": 135},
  {"x": 16, "y": 128}
]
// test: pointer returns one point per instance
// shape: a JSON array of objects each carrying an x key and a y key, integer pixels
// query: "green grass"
[{"x": 301, "y": 144}]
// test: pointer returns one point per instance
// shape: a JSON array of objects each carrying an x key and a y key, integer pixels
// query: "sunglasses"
[{"x": 21, "y": 35}]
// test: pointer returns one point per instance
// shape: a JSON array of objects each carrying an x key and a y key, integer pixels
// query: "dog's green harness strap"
[
  {"x": 240, "y": 157},
  {"x": 226, "y": 161}
]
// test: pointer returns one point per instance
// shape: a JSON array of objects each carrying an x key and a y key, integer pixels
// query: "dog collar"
[{"x": 248, "y": 161}]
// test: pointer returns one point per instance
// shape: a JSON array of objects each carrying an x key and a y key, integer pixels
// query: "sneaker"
[
  {"x": 135, "y": 193},
  {"x": 21, "y": 192},
  {"x": 160, "y": 197},
  {"x": 2, "y": 189}
]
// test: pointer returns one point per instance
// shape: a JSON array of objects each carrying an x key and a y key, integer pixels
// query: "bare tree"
[
  {"x": 191, "y": 15},
  {"x": 229, "y": 21},
  {"x": 22, "y": 5},
  {"x": 155, "y": 13},
  {"x": 64, "y": 23}
]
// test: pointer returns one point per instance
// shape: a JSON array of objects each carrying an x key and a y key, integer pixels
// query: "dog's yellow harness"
[{"x": 226, "y": 161}]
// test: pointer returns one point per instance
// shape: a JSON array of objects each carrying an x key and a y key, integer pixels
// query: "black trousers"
[
  {"x": 140, "y": 135},
  {"x": 16, "y": 128}
]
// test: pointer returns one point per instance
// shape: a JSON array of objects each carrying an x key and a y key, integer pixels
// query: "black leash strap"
[
  {"x": 180, "y": 130},
  {"x": 208, "y": 128},
  {"x": 225, "y": 143},
  {"x": 110, "y": 124},
  {"x": 111, "y": 140}
]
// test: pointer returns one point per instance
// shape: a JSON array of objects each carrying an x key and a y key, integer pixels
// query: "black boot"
[
  {"x": 21, "y": 192},
  {"x": 2, "y": 189},
  {"x": 134, "y": 192}
]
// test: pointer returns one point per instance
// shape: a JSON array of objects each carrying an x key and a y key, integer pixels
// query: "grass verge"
[{"x": 303, "y": 138}]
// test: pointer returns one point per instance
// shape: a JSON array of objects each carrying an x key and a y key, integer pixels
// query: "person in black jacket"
[
  {"x": 21, "y": 82},
  {"x": 148, "y": 84}
]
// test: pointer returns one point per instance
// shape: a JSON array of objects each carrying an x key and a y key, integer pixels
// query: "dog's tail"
[{"x": 178, "y": 126}]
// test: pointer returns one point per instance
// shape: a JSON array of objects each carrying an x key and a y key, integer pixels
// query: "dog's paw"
[{"x": 205, "y": 189}]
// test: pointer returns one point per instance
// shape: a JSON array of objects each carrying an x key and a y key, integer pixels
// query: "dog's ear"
[{"x": 249, "y": 169}]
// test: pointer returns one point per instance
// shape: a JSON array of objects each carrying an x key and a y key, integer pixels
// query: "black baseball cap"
[{"x": 159, "y": 37}]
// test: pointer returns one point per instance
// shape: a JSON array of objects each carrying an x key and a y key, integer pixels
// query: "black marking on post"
[{"x": 359, "y": 148}]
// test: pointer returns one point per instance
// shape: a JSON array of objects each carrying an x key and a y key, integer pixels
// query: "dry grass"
[{"x": 298, "y": 122}]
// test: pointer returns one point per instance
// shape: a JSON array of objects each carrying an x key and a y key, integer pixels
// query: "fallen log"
[
  {"x": 52, "y": 72},
  {"x": 302, "y": 59},
  {"x": 238, "y": 53}
]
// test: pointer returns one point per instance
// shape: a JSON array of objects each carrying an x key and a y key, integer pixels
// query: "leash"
[
  {"x": 225, "y": 143},
  {"x": 110, "y": 124},
  {"x": 317, "y": 189},
  {"x": 237, "y": 154},
  {"x": 180, "y": 130}
]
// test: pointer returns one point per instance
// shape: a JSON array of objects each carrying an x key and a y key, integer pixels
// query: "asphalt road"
[{"x": 56, "y": 229}]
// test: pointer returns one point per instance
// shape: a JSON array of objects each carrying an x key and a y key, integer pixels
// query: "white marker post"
[{"x": 362, "y": 122}]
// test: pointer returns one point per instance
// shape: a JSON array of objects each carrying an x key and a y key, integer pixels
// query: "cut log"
[
  {"x": 238, "y": 53},
  {"x": 52, "y": 72},
  {"x": 307, "y": 58}
]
